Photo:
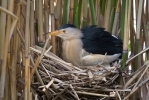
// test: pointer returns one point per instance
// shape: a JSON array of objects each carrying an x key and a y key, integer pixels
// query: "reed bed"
[{"x": 31, "y": 67}]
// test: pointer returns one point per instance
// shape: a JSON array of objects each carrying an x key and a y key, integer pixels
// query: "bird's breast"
[{"x": 72, "y": 51}]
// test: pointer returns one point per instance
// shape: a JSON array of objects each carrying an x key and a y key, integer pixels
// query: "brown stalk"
[
  {"x": 37, "y": 73},
  {"x": 74, "y": 92},
  {"x": 2, "y": 40},
  {"x": 61, "y": 92},
  {"x": 14, "y": 52},
  {"x": 32, "y": 34},
  {"x": 99, "y": 16},
  {"x": 71, "y": 14},
  {"x": 116, "y": 18},
  {"x": 146, "y": 29},
  {"x": 94, "y": 94},
  {"x": 36, "y": 9},
  {"x": 46, "y": 16},
  {"x": 135, "y": 89},
  {"x": 27, "y": 50},
  {"x": 107, "y": 16},
  {"x": 58, "y": 13},
  {"x": 3, "y": 73},
  {"x": 133, "y": 78},
  {"x": 52, "y": 26},
  {"x": 141, "y": 77},
  {"x": 2, "y": 28},
  {"x": 127, "y": 26},
  {"x": 40, "y": 21},
  {"x": 48, "y": 85},
  {"x": 39, "y": 59}
]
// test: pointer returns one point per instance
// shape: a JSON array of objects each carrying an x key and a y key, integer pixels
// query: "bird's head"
[{"x": 66, "y": 32}]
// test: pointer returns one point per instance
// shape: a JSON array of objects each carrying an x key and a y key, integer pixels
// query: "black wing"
[{"x": 97, "y": 41}]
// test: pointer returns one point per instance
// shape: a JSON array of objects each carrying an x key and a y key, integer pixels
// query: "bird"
[{"x": 89, "y": 46}]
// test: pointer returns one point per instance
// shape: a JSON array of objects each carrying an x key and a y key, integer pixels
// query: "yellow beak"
[{"x": 54, "y": 33}]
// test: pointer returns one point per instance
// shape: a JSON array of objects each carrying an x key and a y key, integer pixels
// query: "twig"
[
  {"x": 55, "y": 59},
  {"x": 147, "y": 96},
  {"x": 144, "y": 50},
  {"x": 133, "y": 78},
  {"x": 94, "y": 94},
  {"x": 74, "y": 92},
  {"x": 8, "y": 12},
  {"x": 135, "y": 89},
  {"x": 118, "y": 95},
  {"x": 141, "y": 76},
  {"x": 38, "y": 76},
  {"x": 46, "y": 71},
  {"x": 48, "y": 49},
  {"x": 61, "y": 92},
  {"x": 39, "y": 58},
  {"x": 48, "y": 85},
  {"x": 20, "y": 35}
]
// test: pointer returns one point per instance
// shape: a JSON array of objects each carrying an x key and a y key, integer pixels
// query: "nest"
[
  {"x": 56, "y": 79},
  {"x": 67, "y": 82}
]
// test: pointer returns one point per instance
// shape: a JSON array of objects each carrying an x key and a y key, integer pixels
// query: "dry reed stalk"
[
  {"x": 116, "y": 18},
  {"x": 147, "y": 10},
  {"x": 132, "y": 30},
  {"x": 58, "y": 13},
  {"x": 135, "y": 89},
  {"x": 27, "y": 57},
  {"x": 94, "y": 94},
  {"x": 7, "y": 39},
  {"x": 99, "y": 15},
  {"x": 126, "y": 30},
  {"x": 2, "y": 28},
  {"x": 48, "y": 85},
  {"x": 37, "y": 73},
  {"x": 52, "y": 25},
  {"x": 32, "y": 34},
  {"x": 36, "y": 9},
  {"x": 27, "y": 78},
  {"x": 71, "y": 12},
  {"x": 96, "y": 7},
  {"x": 107, "y": 16},
  {"x": 139, "y": 19},
  {"x": 137, "y": 7},
  {"x": 61, "y": 92},
  {"x": 141, "y": 77},
  {"x": 39, "y": 59},
  {"x": 7, "y": 87},
  {"x": 14, "y": 52},
  {"x": 46, "y": 16},
  {"x": 137, "y": 42},
  {"x": 20, "y": 35},
  {"x": 2, "y": 40},
  {"x": 77, "y": 97},
  {"x": 145, "y": 28},
  {"x": 141, "y": 52},
  {"x": 118, "y": 95},
  {"x": 40, "y": 21},
  {"x": 133, "y": 78}
]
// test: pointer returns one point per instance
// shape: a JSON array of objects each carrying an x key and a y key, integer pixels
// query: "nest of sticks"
[{"x": 56, "y": 79}]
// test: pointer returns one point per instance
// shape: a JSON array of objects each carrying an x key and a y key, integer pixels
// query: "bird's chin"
[{"x": 61, "y": 36}]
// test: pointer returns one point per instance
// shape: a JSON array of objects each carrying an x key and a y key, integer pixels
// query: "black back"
[{"x": 97, "y": 41}]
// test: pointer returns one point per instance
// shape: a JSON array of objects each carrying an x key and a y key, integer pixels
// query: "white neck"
[{"x": 72, "y": 51}]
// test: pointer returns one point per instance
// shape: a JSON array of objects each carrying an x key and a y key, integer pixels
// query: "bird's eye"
[{"x": 64, "y": 31}]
